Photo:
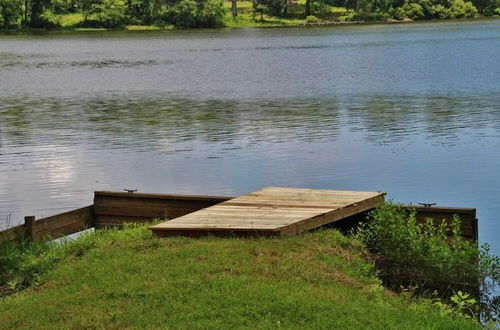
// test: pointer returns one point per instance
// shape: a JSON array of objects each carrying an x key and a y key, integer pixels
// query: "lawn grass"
[
  {"x": 127, "y": 279},
  {"x": 69, "y": 20}
]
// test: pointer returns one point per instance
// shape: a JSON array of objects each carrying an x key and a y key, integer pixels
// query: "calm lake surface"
[{"x": 413, "y": 110}]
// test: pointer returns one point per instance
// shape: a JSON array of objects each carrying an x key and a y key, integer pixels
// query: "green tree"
[
  {"x": 307, "y": 11},
  {"x": 37, "y": 8},
  {"x": 140, "y": 10},
  {"x": 63, "y": 6},
  {"x": 10, "y": 12},
  {"x": 86, "y": 7},
  {"x": 110, "y": 13}
]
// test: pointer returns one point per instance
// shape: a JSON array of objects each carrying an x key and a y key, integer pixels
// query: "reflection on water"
[
  {"x": 55, "y": 142},
  {"x": 141, "y": 121},
  {"x": 411, "y": 110}
]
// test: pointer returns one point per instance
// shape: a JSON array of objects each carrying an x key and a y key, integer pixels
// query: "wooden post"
[{"x": 29, "y": 222}]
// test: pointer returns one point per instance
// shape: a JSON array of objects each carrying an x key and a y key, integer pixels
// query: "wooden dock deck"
[{"x": 272, "y": 211}]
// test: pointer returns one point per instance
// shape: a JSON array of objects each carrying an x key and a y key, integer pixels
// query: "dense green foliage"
[
  {"x": 429, "y": 256},
  {"x": 127, "y": 279},
  {"x": 381, "y": 10},
  {"x": 212, "y": 13},
  {"x": 10, "y": 10},
  {"x": 112, "y": 13}
]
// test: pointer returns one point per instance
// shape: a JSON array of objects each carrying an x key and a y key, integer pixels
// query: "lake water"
[{"x": 413, "y": 110}]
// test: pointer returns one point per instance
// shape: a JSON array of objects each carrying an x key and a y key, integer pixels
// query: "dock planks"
[{"x": 272, "y": 211}]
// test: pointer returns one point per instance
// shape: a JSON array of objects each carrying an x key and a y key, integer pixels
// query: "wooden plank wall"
[
  {"x": 13, "y": 234},
  {"x": 115, "y": 208},
  {"x": 437, "y": 213},
  {"x": 62, "y": 224},
  {"x": 52, "y": 227}
]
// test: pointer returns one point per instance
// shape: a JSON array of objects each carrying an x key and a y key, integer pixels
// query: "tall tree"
[
  {"x": 308, "y": 7},
  {"x": 86, "y": 7},
  {"x": 234, "y": 9},
  {"x": 37, "y": 7},
  {"x": 25, "y": 12}
]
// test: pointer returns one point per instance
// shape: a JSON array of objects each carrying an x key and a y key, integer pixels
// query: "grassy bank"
[{"x": 126, "y": 278}]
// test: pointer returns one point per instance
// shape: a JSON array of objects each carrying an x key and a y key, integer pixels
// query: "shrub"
[
  {"x": 461, "y": 9},
  {"x": 312, "y": 19},
  {"x": 399, "y": 13},
  {"x": 197, "y": 13},
  {"x": 440, "y": 11},
  {"x": 373, "y": 16},
  {"x": 426, "y": 255},
  {"x": 413, "y": 11},
  {"x": 352, "y": 16},
  {"x": 212, "y": 14}
]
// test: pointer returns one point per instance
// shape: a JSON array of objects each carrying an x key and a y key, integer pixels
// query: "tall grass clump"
[
  {"x": 431, "y": 257},
  {"x": 23, "y": 263}
]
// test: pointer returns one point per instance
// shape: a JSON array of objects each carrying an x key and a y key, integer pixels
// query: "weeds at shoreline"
[{"x": 431, "y": 258}]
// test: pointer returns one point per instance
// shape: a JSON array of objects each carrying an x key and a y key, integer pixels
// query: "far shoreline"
[{"x": 257, "y": 25}]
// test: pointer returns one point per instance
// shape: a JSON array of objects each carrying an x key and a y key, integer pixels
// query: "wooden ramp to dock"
[{"x": 272, "y": 211}]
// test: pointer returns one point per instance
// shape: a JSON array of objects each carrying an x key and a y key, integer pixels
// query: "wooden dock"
[
  {"x": 272, "y": 211},
  {"x": 302, "y": 210}
]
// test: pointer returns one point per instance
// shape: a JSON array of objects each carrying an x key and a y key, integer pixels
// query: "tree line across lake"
[{"x": 211, "y": 13}]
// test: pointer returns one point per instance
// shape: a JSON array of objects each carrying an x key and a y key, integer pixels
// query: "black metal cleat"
[{"x": 427, "y": 204}]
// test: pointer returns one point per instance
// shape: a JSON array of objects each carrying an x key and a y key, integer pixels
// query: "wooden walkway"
[{"x": 272, "y": 211}]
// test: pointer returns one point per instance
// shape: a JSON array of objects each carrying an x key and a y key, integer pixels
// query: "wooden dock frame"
[{"x": 113, "y": 209}]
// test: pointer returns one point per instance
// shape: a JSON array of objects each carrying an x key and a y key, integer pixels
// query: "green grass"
[
  {"x": 127, "y": 279},
  {"x": 69, "y": 20},
  {"x": 143, "y": 27}
]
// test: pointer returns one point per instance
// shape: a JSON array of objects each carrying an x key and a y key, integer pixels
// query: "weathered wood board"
[
  {"x": 52, "y": 227},
  {"x": 63, "y": 224},
  {"x": 272, "y": 211},
  {"x": 116, "y": 208},
  {"x": 13, "y": 234}
]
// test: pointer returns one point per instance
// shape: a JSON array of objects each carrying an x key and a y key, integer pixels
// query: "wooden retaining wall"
[
  {"x": 468, "y": 220},
  {"x": 52, "y": 227},
  {"x": 113, "y": 209},
  {"x": 116, "y": 208}
]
